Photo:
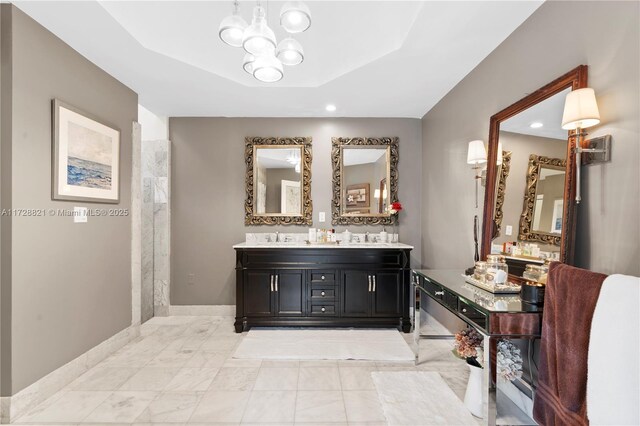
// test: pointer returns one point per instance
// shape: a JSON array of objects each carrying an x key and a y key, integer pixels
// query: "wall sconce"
[
  {"x": 476, "y": 155},
  {"x": 376, "y": 193},
  {"x": 581, "y": 112}
]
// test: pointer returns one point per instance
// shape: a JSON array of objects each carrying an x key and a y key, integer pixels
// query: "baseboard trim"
[
  {"x": 208, "y": 310},
  {"x": 15, "y": 406}
]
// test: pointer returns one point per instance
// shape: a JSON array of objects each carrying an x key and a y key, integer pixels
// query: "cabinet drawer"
[
  {"x": 473, "y": 314},
  {"x": 450, "y": 300},
  {"x": 327, "y": 309},
  {"x": 318, "y": 294},
  {"x": 432, "y": 288},
  {"x": 323, "y": 276}
]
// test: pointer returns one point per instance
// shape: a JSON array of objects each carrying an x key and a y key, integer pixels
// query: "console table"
[
  {"x": 495, "y": 316},
  {"x": 346, "y": 285}
]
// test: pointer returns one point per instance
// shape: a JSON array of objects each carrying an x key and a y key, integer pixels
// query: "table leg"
[{"x": 489, "y": 398}]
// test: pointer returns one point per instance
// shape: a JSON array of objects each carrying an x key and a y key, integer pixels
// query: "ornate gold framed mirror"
[
  {"x": 542, "y": 210},
  {"x": 365, "y": 180},
  {"x": 278, "y": 181},
  {"x": 531, "y": 128}
]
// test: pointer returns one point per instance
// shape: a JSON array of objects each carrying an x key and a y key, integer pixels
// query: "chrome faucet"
[
  {"x": 366, "y": 237},
  {"x": 277, "y": 237}
]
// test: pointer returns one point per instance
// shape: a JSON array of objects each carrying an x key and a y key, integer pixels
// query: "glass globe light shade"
[
  {"x": 295, "y": 17},
  {"x": 258, "y": 38},
  {"x": 232, "y": 29},
  {"x": 268, "y": 69},
  {"x": 290, "y": 52},
  {"x": 247, "y": 63}
]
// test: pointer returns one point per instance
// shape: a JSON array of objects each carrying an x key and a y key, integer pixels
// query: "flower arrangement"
[
  {"x": 394, "y": 208},
  {"x": 508, "y": 361},
  {"x": 467, "y": 344}
]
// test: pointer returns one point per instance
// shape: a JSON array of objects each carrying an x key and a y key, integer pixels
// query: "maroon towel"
[{"x": 569, "y": 301}]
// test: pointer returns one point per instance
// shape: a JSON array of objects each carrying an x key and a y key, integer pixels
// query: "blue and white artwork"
[
  {"x": 89, "y": 158},
  {"x": 86, "y": 157}
]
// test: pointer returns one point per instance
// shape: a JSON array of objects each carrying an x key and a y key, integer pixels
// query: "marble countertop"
[{"x": 304, "y": 245}]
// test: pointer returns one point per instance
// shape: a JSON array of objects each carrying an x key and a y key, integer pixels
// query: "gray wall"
[
  {"x": 208, "y": 190},
  {"x": 544, "y": 47},
  {"x": 70, "y": 283}
]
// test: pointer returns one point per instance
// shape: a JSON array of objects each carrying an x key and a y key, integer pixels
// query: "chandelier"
[{"x": 265, "y": 57}]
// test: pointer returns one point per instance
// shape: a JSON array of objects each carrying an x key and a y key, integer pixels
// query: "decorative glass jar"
[
  {"x": 497, "y": 270},
  {"x": 480, "y": 271}
]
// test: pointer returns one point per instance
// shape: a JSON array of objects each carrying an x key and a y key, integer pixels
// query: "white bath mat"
[
  {"x": 377, "y": 345},
  {"x": 419, "y": 398}
]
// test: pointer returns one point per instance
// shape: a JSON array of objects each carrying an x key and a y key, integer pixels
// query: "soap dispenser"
[
  {"x": 347, "y": 236},
  {"x": 384, "y": 236}
]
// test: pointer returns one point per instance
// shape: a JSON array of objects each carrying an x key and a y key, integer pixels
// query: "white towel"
[{"x": 613, "y": 378}]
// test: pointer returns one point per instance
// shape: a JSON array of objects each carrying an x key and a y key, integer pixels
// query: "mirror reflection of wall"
[
  {"x": 364, "y": 181},
  {"x": 278, "y": 181},
  {"x": 538, "y": 131}
]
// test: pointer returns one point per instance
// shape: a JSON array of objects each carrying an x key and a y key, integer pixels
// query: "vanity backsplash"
[{"x": 284, "y": 237}]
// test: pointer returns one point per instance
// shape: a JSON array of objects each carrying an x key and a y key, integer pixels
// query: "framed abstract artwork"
[{"x": 85, "y": 157}]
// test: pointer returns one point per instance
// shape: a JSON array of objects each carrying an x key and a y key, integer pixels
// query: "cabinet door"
[
  {"x": 386, "y": 297},
  {"x": 356, "y": 297},
  {"x": 290, "y": 297},
  {"x": 258, "y": 297}
]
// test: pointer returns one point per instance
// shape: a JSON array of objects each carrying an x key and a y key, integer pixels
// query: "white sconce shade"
[
  {"x": 258, "y": 38},
  {"x": 499, "y": 160},
  {"x": 247, "y": 63},
  {"x": 268, "y": 69},
  {"x": 580, "y": 110},
  {"x": 295, "y": 17},
  {"x": 297, "y": 168},
  {"x": 476, "y": 153},
  {"x": 376, "y": 193},
  {"x": 232, "y": 28},
  {"x": 290, "y": 52}
]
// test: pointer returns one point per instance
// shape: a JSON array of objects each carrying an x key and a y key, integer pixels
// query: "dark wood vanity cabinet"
[{"x": 328, "y": 287}]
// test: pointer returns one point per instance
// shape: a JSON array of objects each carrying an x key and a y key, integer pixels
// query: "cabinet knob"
[
  {"x": 322, "y": 293},
  {"x": 322, "y": 277},
  {"x": 464, "y": 310},
  {"x": 323, "y": 309},
  {"x": 439, "y": 293}
]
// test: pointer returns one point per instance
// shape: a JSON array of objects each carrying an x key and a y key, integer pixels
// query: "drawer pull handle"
[
  {"x": 323, "y": 309},
  {"x": 271, "y": 283},
  {"x": 322, "y": 293},
  {"x": 374, "y": 282},
  {"x": 464, "y": 310},
  {"x": 322, "y": 277},
  {"x": 439, "y": 293}
]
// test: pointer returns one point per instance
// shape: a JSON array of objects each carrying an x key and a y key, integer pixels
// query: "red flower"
[{"x": 396, "y": 206}]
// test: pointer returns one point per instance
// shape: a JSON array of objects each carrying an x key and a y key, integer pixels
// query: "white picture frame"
[{"x": 85, "y": 157}]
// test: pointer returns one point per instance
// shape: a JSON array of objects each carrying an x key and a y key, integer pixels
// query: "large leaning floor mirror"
[
  {"x": 278, "y": 181},
  {"x": 529, "y": 212}
]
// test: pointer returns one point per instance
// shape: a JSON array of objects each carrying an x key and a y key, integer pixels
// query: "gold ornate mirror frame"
[
  {"x": 500, "y": 192},
  {"x": 250, "y": 217},
  {"x": 337, "y": 217},
  {"x": 526, "y": 232}
]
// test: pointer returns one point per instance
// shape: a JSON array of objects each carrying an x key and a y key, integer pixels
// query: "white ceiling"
[
  {"x": 369, "y": 58},
  {"x": 548, "y": 112}
]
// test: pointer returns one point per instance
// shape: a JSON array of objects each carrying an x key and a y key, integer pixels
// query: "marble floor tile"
[
  {"x": 279, "y": 363},
  {"x": 327, "y": 406},
  {"x": 192, "y": 379},
  {"x": 231, "y": 362},
  {"x": 122, "y": 407},
  {"x": 204, "y": 359},
  {"x": 171, "y": 358},
  {"x": 319, "y": 363},
  {"x": 103, "y": 378},
  {"x": 221, "y": 406},
  {"x": 235, "y": 378},
  {"x": 319, "y": 378},
  {"x": 171, "y": 407},
  {"x": 150, "y": 379},
  {"x": 270, "y": 407},
  {"x": 69, "y": 407},
  {"x": 363, "y": 406},
  {"x": 277, "y": 379},
  {"x": 356, "y": 378}
]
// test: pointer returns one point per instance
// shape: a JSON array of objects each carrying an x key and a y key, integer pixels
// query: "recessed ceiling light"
[
  {"x": 536, "y": 125},
  {"x": 330, "y": 108}
]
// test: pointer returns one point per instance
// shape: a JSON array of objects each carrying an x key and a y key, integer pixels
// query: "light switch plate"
[
  {"x": 321, "y": 217},
  {"x": 508, "y": 230},
  {"x": 79, "y": 214}
]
